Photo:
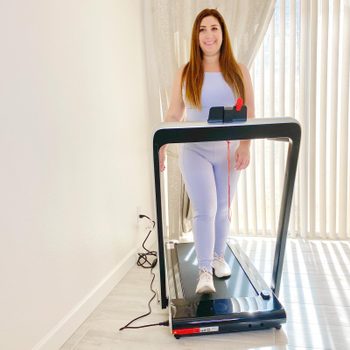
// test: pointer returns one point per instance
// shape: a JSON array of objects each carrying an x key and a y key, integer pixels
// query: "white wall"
[{"x": 75, "y": 161}]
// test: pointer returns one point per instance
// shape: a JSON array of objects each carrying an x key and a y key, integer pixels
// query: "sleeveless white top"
[{"x": 215, "y": 92}]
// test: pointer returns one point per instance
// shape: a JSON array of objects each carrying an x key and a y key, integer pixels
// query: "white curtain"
[{"x": 302, "y": 70}]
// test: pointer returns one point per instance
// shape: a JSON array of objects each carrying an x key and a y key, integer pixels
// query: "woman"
[{"x": 212, "y": 77}]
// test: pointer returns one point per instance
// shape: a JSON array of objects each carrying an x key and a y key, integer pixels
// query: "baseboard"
[{"x": 69, "y": 324}]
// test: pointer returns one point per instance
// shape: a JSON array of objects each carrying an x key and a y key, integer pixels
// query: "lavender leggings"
[{"x": 205, "y": 173}]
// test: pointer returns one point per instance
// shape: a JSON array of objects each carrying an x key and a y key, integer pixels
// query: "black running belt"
[{"x": 238, "y": 285}]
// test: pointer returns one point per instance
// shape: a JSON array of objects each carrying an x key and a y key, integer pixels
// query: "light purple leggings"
[{"x": 205, "y": 173}]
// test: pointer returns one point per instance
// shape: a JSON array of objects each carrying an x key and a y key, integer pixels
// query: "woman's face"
[{"x": 210, "y": 36}]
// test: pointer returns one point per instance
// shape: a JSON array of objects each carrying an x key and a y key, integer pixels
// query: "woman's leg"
[
  {"x": 199, "y": 180},
  {"x": 222, "y": 222}
]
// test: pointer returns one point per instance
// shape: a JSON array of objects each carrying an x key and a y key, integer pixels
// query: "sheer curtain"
[
  {"x": 302, "y": 70},
  {"x": 168, "y": 26}
]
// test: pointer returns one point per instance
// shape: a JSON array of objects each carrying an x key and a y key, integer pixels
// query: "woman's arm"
[
  {"x": 249, "y": 94},
  {"x": 242, "y": 156},
  {"x": 174, "y": 113},
  {"x": 177, "y": 106}
]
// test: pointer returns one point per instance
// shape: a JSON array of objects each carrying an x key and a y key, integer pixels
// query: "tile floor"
[{"x": 315, "y": 291}]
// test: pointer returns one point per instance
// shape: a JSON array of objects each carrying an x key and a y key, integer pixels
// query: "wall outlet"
[
  {"x": 143, "y": 221},
  {"x": 138, "y": 213}
]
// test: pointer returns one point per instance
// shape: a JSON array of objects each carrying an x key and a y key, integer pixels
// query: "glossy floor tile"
[{"x": 315, "y": 291}]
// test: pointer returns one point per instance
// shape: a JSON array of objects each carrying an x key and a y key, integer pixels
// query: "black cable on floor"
[
  {"x": 144, "y": 262},
  {"x": 143, "y": 259}
]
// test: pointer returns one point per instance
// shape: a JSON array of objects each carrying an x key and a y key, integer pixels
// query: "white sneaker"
[
  {"x": 205, "y": 283},
  {"x": 221, "y": 267}
]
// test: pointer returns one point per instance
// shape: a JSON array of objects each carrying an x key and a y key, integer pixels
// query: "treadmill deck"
[
  {"x": 237, "y": 285},
  {"x": 237, "y": 304}
]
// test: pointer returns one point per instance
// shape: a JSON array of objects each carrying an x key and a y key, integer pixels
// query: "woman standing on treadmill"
[{"x": 212, "y": 77}]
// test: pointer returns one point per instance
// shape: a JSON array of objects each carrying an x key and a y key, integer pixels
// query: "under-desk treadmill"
[{"x": 243, "y": 301}]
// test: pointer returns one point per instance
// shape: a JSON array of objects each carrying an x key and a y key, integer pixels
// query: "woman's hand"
[
  {"x": 162, "y": 157},
  {"x": 242, "y": 156}
]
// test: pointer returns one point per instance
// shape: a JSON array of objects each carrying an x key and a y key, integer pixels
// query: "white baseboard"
[{"x": 69, "y": 324}]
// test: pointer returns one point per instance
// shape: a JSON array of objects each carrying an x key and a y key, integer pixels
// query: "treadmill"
[{"x": 243, "y": 301}]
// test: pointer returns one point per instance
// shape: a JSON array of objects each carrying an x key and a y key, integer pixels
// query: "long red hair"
[{"x": 193, "y": 72}]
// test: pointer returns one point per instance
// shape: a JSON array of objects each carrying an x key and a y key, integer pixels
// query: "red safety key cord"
[{"x": 239, "y": 104}]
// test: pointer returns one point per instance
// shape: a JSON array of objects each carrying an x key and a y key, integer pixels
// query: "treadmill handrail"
[{"x": 278, "y": 128}]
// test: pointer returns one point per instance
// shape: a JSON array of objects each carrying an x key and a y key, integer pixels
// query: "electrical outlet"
[{"x": 138, "y": 212}]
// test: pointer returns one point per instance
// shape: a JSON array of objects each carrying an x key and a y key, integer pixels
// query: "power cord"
[
  {"x": 144, "y": 262},
  {"x": 143, "y": 259}
]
